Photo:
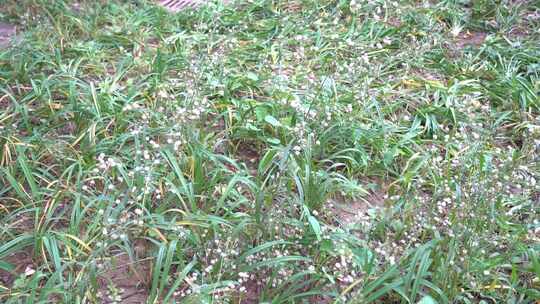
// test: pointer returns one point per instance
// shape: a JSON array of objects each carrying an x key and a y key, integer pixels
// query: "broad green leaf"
[
  {"x": 427, "y": 300},
  {"x": 272, "y": 120}
]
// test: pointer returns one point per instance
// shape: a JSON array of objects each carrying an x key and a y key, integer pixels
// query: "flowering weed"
[{"x": 363, "y": 151}]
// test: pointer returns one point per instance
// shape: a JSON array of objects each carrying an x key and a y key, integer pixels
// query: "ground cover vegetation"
[{"x": 270, "y": 152}]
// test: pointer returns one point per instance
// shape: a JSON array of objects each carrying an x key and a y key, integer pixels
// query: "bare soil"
[
  {"x": 350, "y": 212},
  {"x": 474, "y": 39},
  {"x": 131, "y": 276},
  {"x": 7, "y": 31},
  {"x": 20, "y": 260}
]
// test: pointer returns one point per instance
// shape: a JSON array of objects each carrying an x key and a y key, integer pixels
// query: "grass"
[{"x": 270, "y": 152}]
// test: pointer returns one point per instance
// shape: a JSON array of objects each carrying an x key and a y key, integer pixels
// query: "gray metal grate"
[{"x": 177, "y": 5}]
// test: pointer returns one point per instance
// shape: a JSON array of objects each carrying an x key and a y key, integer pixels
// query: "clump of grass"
[{"x": 206, "y": 155}]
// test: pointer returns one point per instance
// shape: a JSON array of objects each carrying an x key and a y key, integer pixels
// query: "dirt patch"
[
  {"x": 456, "y": 45},
  {"x": 321, "y": 299},
  {"x": 247, "y": 154},
  {"x": 519, "y": 32},
  {"x": 526, "y": 25},
  {"x": 124, "y": 280},
  {"x": 293, "y": 7},
  {"x": 68, "y": 128},
  {"x": 252, "y": 293},
  {"x": 21, "y": 262},
  {"x": 23, "y": 222},
  {"x": 394, "y": 22},
  {"x": 4, "y": 102},
  {"x": 7, "y": 32},
  {"x": 474, "y": 39},
  {"x": 349, "y": 212}
]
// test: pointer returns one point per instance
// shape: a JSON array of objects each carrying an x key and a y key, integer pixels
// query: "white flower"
[{"x": 29, "y": 271}]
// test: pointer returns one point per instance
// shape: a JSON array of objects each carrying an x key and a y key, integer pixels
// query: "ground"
[{"x": 263, "y": 151}]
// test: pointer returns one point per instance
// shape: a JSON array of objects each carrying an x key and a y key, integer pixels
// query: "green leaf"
[
  {"x": 276, "y": 261},
  {"x": 262, "y": 247},
  {"x": 272, "y": 120},
  {"x": 252, "y": 76},
  {"x": 261, "y": 113},
  {"x": 251, "y": 127},
  {"x": 315, "y": 226},
  {"x": 266, "y": 161},
  {"x": 273, "y": 140},
  {"x": 179, "y": 279},
  {"x": 6, "y": 266},
  {"x": 427, "y": 300}
]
